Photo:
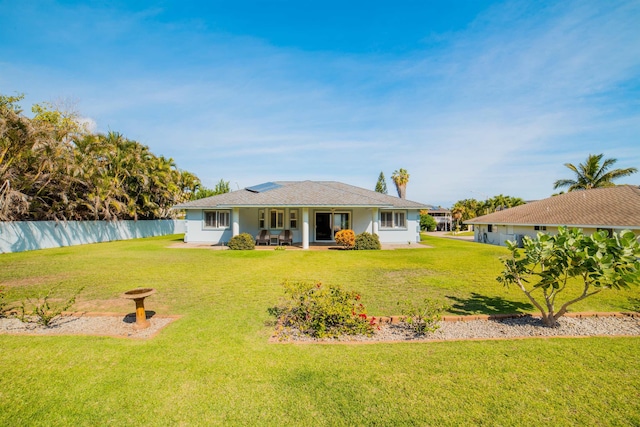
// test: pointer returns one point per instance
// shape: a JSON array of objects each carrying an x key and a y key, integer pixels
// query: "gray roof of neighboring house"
[
  {"x": 439, "y": 210},
  {"x": 300, "y": 194},
  {"x": 617, "y": 206}
]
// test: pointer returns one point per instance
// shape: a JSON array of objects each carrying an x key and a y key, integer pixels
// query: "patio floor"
[{"x": 296, "y": 246}]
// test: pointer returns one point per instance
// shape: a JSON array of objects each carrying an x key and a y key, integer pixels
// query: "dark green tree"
[{"x": 381, "y": 185}]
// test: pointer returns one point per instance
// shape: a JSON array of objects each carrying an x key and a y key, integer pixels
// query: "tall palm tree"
[
  {"x": 400, "y": 179},
  {"x": 592, "y": 174}
]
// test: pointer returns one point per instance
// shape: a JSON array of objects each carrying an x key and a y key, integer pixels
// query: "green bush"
[
  {"x": 242, "y": 242},
  {"x": 427, "y": 222},
  {"x": 321, "y": 311},
  {"x": 423, "y": 318},
  {"x": 367, "y": 241}
]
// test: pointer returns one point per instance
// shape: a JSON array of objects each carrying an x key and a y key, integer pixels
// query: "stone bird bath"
[{"x": 138, "y": 295}]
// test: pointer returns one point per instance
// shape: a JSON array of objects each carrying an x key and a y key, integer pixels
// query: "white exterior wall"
[
  {"x": 361, "y": 220},
  {"x": 501, "y": 233},
  {"x": 403, "y": 235},
  {"x": 20, "y": 236},
  {"x": 198, "y": 233}
]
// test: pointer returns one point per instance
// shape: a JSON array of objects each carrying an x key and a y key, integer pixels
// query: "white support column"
[
  {"x": 375, "y": 215},
  {"x": 305, "y": 228},
  {"x": 235, "y": 218}
]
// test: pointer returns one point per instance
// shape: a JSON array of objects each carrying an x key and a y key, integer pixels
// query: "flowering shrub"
[
  {"x": 346, "y": 238},
  {"x": 367, "y": 241},
  {"x": 321, "y": 311}
]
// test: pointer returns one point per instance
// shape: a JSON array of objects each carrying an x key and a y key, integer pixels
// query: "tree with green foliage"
[
  {"x": 381, "y": 185},
  {"x": 427, "y": 222},
  {"x": 401, "y": 179},
  {"x": 550, "y": 265},
  {"x": 467, "y": 209},
  {"x": 222, "y": 187},
  {"x": 53, "y": 168},
  {"x": 593, "y": 174},
  {"x": 202, "y": 192}
]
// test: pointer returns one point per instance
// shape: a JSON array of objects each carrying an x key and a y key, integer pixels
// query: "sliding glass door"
[{"x": 329, "y": 223}]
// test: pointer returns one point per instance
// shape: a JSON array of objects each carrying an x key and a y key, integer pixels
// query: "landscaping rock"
[{"x": 517, "y": 327}]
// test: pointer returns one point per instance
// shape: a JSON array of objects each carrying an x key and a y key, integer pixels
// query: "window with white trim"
[
  {"x": 293, "y": 219},
  {"x": 393, "y": 219},
  {"x": 217, "y": 219},
  {"x": 261, "y": 219},
  {"x": 277, "y": 219}
]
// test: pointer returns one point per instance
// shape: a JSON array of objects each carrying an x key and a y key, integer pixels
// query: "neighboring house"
[
  {"x": 612, "y": 209},
  {"x": 442, "y": 217},
  {"x": 313, "y": 210}
]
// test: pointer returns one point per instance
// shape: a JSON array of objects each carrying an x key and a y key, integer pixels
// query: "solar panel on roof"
[{"x": 262, "y": 188}]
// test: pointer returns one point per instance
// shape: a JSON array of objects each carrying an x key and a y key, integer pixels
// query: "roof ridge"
[{"x": 323, "y": 183}]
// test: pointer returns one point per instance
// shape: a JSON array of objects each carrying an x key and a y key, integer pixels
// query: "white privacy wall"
[{"x": 22, "y": 236}]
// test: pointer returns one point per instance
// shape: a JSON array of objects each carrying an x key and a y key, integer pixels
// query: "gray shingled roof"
[
  {"x": 304, "y": 193},
  {"x": 601, "y": 207}
]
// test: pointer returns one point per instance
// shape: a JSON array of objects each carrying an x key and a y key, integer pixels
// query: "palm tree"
[
  {"x": 457, "y": 212},
  {"x": 592, "y": 174},
  {"x": 400, "y": 179}
]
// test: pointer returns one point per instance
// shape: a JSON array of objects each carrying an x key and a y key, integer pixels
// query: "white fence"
[{"x": 22, "y": 236}]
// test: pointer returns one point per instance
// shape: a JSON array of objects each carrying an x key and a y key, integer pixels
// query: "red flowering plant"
[{"x": 321, "y": 311}]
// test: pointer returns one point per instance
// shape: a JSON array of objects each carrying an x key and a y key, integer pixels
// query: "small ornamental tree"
[
  {"x": 346, "y": 238},
  {"x": 549, "y": 265}
]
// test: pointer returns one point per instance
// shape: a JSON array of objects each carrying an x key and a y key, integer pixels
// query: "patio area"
[{"x": 296, "y": 246}]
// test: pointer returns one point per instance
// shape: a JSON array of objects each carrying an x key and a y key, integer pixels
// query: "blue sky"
[{"x": 473, "y": 98}]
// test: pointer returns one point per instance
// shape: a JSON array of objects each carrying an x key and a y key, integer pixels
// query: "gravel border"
[
  {"x": 101, "y": 324},
  {"x": 578, "y": 325},
  {"x": 503, "y": 328}
]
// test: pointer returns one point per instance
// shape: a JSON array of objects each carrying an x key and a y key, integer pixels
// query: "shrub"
[
  {"x": 346, "y": 238},
  {"x": 42, "y": 311},
  {"x": 427, "y": 222},
  {"x": 242, "y": 242},
  {"x": 367, "y": 241},
  {"x": 423, "y": 318},
  {"x": 3, "y": 303},
  {"x": 321, "y": 311}
]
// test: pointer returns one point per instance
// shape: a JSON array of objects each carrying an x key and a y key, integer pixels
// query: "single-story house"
[
  {"x": 313, "y": 211},
  {"x": 612, "y": 209}
]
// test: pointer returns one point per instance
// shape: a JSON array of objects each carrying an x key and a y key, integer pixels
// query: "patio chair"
[
  {"x": 263, "y": 237},
  {"x": 285, "y": 238}
]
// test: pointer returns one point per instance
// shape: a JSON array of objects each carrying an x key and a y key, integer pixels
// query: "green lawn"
[{"x": 215, "y": 365}]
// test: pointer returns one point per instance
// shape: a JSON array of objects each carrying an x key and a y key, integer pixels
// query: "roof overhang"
[
  {"x": 231, "y": 206},
  {"x": 621, "y": 227}
]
